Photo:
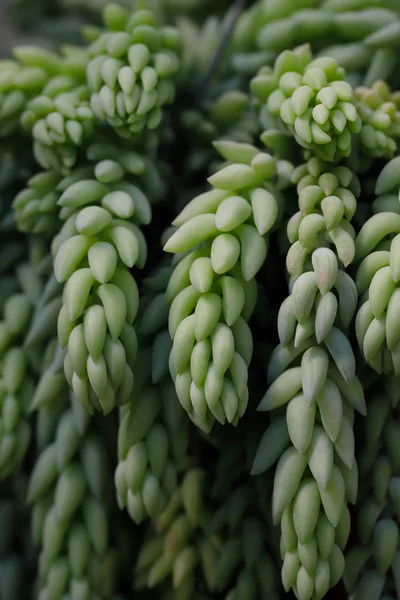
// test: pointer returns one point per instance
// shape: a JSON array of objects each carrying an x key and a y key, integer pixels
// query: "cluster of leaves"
[{"x": 134, "y": 353}]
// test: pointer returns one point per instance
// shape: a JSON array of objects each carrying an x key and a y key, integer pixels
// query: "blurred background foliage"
[{"x": 51, "y": 22}]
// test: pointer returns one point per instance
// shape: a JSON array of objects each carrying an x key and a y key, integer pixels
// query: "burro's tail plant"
[
  {"x": 60, "y": 121},
  {"x": 98, "y": 244},
  {"x": 58, "y": 118},
  {"x": 21, "y": 80},
  {"x": 154, "y": 429},
  {"x": 131, "y": 69},
  {"x": 71, "y": 504},
  {"x": 378, "y": 275},
  {"x": 101, "y": 145},
  {"x": 175, "y": 545},
  {"x": 244, "y": 565},
  {"x": 222, "y": 236},
  {"x": 35, "y": 207},
  {"x": 378, "y": 109},
  {"x": 312, "y": 99},
  {"x": 373, "y": 563},
  {"x": 313, "y": 384},
  {"x": 18, "y": 359}
]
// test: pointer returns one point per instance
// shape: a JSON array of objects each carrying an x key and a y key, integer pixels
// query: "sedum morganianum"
[{"x": 222, "y": 239}]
